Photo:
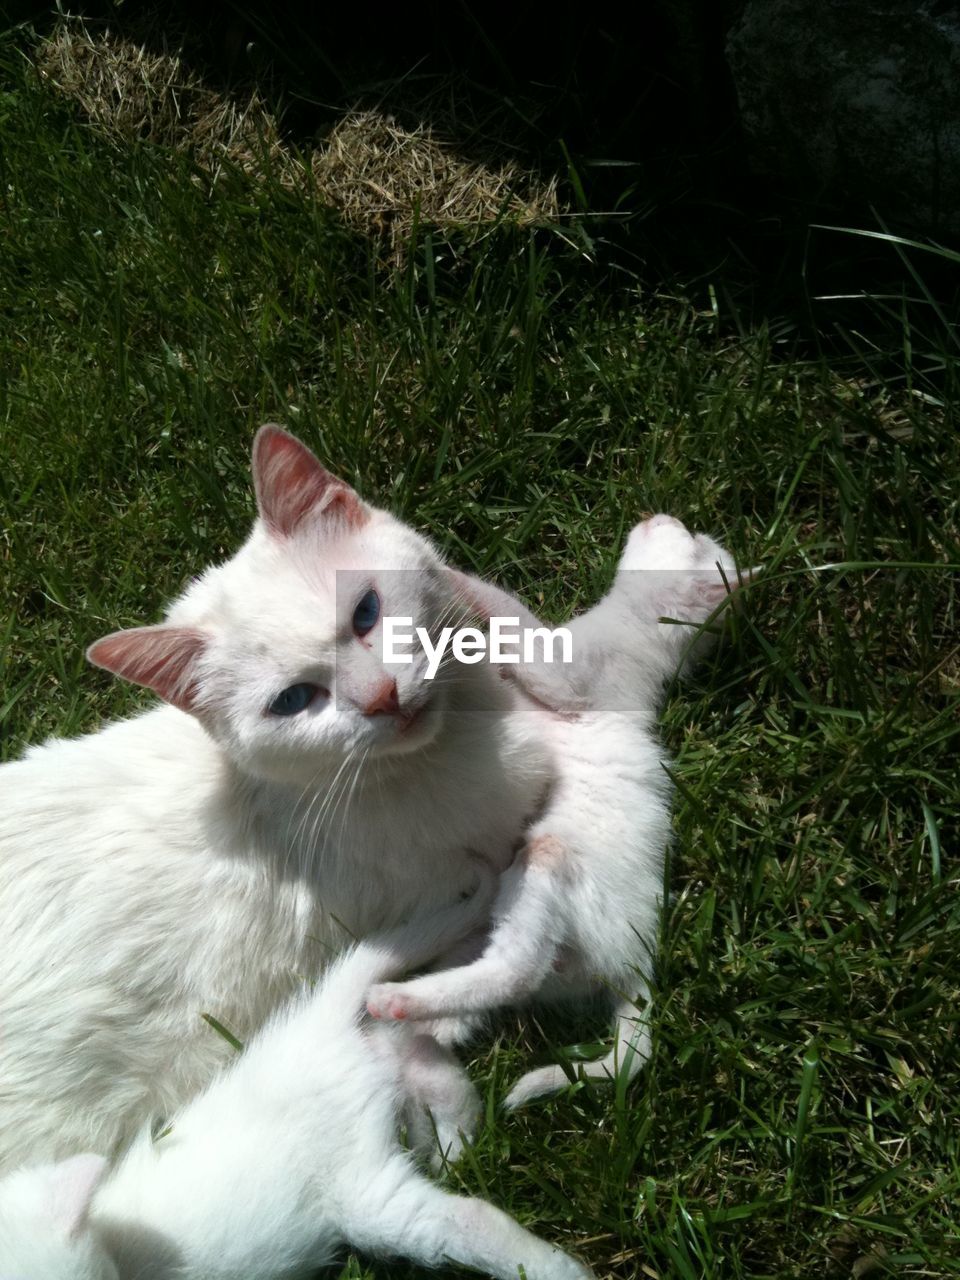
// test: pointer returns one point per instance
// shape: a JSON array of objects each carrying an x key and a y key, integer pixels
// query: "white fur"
[
  {"x": 178, "y": 864},
  {"x": 290, "y": 1154},
  {"x": 579, "y": 911},
  {"x": 44, "y": 1228}
]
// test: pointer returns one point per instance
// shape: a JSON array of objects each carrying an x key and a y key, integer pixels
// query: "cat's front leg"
[{"x": 525, "y": 942}]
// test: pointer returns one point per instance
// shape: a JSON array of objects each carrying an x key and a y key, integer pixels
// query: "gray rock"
[{"x": 861, "y": 97}]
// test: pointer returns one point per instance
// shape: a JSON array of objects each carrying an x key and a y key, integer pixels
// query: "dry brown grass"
[
  {"x": 382, "y": 178},
  {"x": 130, "y": 93}
]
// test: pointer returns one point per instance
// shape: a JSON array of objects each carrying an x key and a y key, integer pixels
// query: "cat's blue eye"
[
  {"x": 366, "y": 613},
  {"x": 293, "y": 700}
]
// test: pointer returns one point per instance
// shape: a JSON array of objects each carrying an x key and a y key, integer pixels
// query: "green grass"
[{"x": 800, "y": 1112}]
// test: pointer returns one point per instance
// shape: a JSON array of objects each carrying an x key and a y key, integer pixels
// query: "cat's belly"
[{"x": 417, "y": 848}]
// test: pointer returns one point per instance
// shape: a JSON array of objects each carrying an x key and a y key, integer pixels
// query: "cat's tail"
[
  {"x": 630, "y": 1051},
  {"x": 393, "y": 952}
]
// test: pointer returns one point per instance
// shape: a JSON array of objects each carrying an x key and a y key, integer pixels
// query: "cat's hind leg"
[
  {"x": 422, "y": 1222},
  {"x": 441, "y": 1103},
  {"x": 630, "y": 1051}
]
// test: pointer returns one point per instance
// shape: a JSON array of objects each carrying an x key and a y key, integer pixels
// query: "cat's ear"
[
  {"x": 161, "y": 658},
  {"x": 291, "y": 484},
  {"x": 70, "y": 1189},
  {"x": 479, "y": 599},
  {"x": 712, "y": 589},
  {"x": 725, "y": 581},
  {"x": 554, "y": 685},
  {"x": 486, "y": 600}
]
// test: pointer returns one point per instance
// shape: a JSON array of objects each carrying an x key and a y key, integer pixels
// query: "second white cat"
[
  {"x": 577, "y": 913},
  {"x": 289, "y": 1155}
]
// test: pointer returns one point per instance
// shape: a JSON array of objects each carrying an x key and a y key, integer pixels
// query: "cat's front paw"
[
  {"x": 389, "y": 1002},
  {"x": 659, "y": 543}
]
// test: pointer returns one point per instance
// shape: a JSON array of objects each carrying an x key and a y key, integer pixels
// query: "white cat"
[
  {"x": 206, "y": 856},
  {"x": 579, "y": 910},
  {"x": 290, "y": 1154}
]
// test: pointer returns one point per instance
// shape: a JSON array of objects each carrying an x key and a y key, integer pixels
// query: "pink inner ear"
[
  {"x": 160, "y": 658},
  {"x": 714, "y": 589},
  {"x": 291, "y": 484},
  {"x": 471, "y": 591},
  {"x": 486, "y": 599}
]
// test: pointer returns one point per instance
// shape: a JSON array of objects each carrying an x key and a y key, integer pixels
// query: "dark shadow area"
[{"x": 633, "y": 109}]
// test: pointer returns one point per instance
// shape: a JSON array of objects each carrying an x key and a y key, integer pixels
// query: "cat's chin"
[{"x": 412, "y": 733}]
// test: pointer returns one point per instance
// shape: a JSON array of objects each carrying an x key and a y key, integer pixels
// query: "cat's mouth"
[
  {"x": 406, "y": 721},
  {"x": 413, "y": 728}
]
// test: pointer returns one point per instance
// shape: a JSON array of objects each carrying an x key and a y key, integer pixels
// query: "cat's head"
[
  {"x": 45, "y": 1233},
  {"x": 279, "y": 651}
]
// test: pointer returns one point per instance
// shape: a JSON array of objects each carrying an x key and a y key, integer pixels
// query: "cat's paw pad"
[
  {"x": 387, "y": 1002},
  {"x": 448, "y": 1146},
  {"x": 660, "y": 543},
  {"x": 708, "y": 554},
  {"x": 660, "y": 521}
]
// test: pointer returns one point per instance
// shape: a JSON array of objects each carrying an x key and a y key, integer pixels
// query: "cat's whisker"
[
  {"x": 307, "y": 851},
  {"x": 321, "y": 830},
  {"x": 326, "y": 816},
  {"x": 311, "y": 793},
  {"x": 456, "y": 610},
  {"x": 351, "y": 791},
  {"x": 323, "y": 822},
  {"x": 308, "y": 795}
]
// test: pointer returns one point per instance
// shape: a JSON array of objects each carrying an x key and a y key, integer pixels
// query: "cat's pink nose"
[{"x": 383, "y": 701}]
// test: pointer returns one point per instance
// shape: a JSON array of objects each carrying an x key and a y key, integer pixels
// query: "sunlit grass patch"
[{"x": 384, "y": 177}]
